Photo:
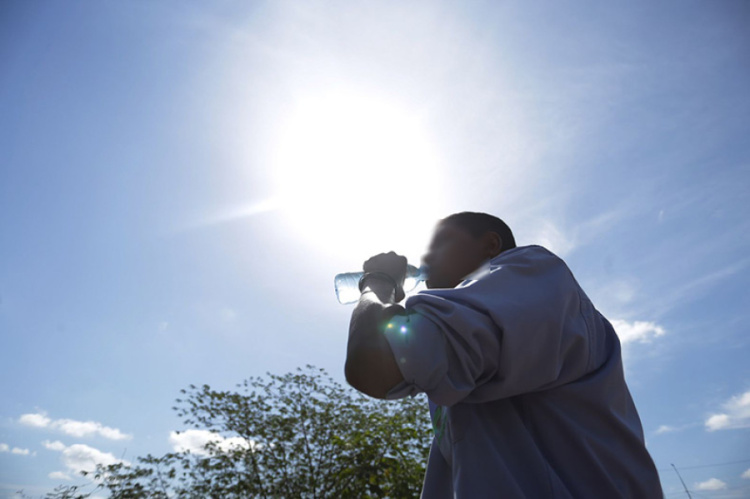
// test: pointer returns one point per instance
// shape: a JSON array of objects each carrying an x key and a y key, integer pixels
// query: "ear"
[{"x": 493, "y": 244}]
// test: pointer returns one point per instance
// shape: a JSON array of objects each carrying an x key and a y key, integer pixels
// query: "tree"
[{"x": 296, "y": 435}]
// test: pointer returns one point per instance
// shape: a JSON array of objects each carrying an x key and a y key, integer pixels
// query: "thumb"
[{"x": 399, "y": 293}]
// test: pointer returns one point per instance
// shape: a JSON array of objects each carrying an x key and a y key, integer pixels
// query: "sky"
[{"x": 180, "y": 182}]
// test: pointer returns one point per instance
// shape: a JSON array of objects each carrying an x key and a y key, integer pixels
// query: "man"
[{"x": 523, "y": 374}]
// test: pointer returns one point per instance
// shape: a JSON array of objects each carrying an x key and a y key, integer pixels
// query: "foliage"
[{"x": 300, "y": 435}]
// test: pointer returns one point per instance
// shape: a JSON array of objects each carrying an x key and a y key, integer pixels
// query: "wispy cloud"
[
  {"x": 72, "y": 427},
  {"x": 661, "y": 430},
  {"x": 560, "y": 236},
  {"x": 746, "y": 474},
  {"x": 547, "y": 234},
  {"x": 233, "y": 215},
  {"x": 711, "y": 484},
  {"x": 735, "y": 414},
  {"x": 227, "y": 314},
  {"x": 14, "y": 450},
  {"x": 637, "y": 331},
  {"x": 56, "y": 445},
  {"x": 59, "y": 475},
  {"x": 665, "y": 429},
  {"x": 702, "y": 284},
  {"x": 81, "y": 457},
  {"x": 195, "y": 441}
]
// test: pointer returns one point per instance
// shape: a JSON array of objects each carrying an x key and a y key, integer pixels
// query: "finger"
[{"x": 399, "y": 294}]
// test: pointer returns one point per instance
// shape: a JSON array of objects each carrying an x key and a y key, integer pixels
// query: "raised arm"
[{"x": 370, "y": 365}]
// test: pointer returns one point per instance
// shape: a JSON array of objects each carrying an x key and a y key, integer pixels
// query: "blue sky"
[{"x": 179, "y": 182}]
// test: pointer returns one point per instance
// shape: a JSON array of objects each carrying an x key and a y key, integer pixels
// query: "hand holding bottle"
[
  {"x": 405, "y": 276},
  {"x": 391, "y": 264}
]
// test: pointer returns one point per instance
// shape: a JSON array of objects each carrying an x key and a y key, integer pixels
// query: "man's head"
[{"x": 461, "y": 243}]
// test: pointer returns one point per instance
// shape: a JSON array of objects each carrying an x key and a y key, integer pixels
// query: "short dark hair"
[{"x": 477, "y": 224}]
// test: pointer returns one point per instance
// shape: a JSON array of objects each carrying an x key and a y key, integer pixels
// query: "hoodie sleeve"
[{"x": 521, "y": 327}]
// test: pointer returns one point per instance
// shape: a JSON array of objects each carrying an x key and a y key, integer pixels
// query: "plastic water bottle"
[{"x": 347, "y": 284}]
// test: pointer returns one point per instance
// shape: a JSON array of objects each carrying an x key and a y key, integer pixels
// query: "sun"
[{"x": 355, "y": 174}]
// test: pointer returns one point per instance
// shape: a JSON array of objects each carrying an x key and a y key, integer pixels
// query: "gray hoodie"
[{"x": 526, "y": 387}]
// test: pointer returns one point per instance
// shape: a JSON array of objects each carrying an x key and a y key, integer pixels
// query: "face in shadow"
[{"x": 454, "y": 253}]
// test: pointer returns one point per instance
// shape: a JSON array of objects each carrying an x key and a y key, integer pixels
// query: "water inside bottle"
[
  {"x": 347, "y": 284},
  {"x": 347, "y": 287}
]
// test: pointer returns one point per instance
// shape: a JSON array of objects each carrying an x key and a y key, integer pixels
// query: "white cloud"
[
  {"x": 195, "y": 441},
  {"x": 746, "y": 474},
  {"x": 80, "y": 457},
  {"x": 88, "y": 428},
  {"x": 717, "y": 422},
  {"x": 638, "y": 331},
  {"x": 15, "y": 450},
  {"x": 72, "y": 427},
  {"x": 227, "y": 314},
  {"x": 665, "y": 429},
  {"x": 548, "y": 235},
  {"x": 36, "y": 420},
  {"x": 59, "y": 475},
  {"x": 735, "y": 414},
  {"x": 711, "y": 484},
  {"x": 56, "y": 445},
  {"x": 191, "y": 440},
  {"x": 673, "y": 429}
]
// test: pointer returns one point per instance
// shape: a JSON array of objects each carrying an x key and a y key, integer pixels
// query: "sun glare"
[{"x": 356, "y": 174}]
